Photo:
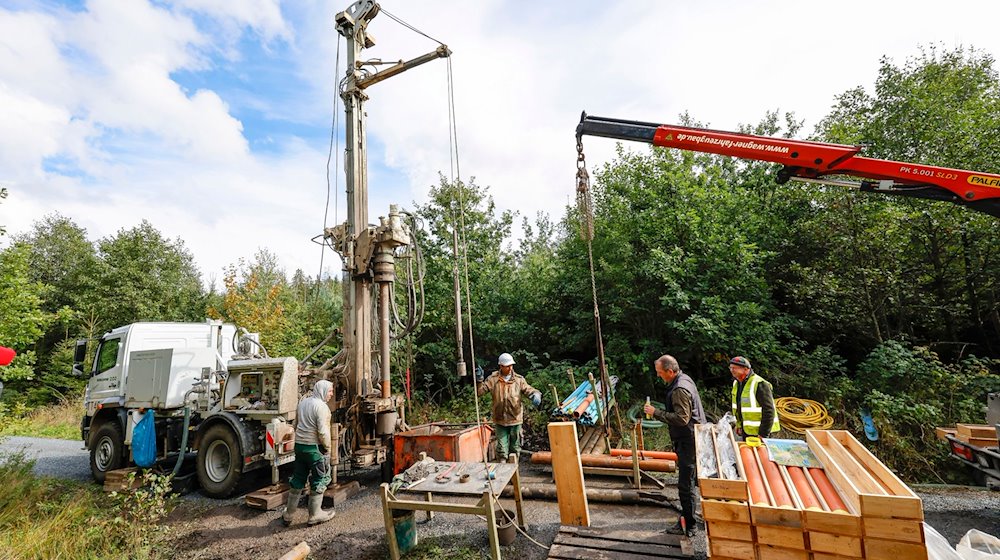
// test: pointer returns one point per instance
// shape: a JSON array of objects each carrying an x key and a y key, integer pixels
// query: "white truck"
[{"x": 211, "y": 392}]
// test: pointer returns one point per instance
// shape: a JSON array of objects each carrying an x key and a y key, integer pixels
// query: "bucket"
[
  {"x": 385, "y": 423},
  {"x": 506, "y": 530},
  {"x": 405, "y": 526}
]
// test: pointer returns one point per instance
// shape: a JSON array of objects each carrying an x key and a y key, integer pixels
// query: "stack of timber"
[
  {"x": 980, "y": 435},
  {"x": 853, "y": 507},
  {"x": 592, "y": 441},
  {"x": 118, "y": 480}
]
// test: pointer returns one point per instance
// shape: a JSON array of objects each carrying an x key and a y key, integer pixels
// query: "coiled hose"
[
  {"x": 636, "y": 412},
  {"x": 798, "y": 415}
]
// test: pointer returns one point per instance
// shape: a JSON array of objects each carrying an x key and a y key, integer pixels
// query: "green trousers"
[
  {"x": 508, "y": 440},
  {"x": 310, "y": 465}
]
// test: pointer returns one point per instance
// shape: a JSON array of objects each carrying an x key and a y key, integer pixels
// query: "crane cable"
[
  {"x": 585, "y": 205},
  {"x": 456, "y": 180},
  {"x": 798, "y": 415}
]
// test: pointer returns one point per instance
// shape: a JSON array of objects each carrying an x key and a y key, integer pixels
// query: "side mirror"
[{"x": 79, "y": 356}]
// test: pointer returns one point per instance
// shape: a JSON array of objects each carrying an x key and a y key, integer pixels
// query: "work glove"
[
  {"x": 536, "y": 400},
  {"x": 480, "y": 374}
]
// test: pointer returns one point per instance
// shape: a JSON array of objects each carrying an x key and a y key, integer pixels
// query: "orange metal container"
[{"x": 443, "y": 442}]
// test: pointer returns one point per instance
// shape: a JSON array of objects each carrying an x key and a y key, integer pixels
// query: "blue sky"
[{"x": 211, "y": 118}]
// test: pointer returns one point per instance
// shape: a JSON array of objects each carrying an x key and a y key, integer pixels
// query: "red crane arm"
[{"x": 807, "y": 160}]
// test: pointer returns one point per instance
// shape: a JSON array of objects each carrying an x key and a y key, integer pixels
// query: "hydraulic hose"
[
  {"x": 635, "y": 412},
  {"x": 798, "y": 415},
  {"x": 184, "y": 442}
]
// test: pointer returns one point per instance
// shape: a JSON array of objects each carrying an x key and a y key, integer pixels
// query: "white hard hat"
[{"x": 505, "y": 359}]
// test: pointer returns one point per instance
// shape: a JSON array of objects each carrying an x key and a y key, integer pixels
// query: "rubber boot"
[
  {"x": 292, "y": 506},
  {"x": 317, "y": 514}
]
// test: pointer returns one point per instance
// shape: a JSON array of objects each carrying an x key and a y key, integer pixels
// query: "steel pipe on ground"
[
  {"x": 643, "y": 454},
  {"x": 649, "y": 465}
]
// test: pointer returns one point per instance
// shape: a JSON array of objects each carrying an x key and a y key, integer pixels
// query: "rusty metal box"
[{"x": 443, "y": 442}]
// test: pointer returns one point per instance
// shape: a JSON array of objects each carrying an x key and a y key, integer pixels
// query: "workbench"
[{"x": 442, "y": 481}]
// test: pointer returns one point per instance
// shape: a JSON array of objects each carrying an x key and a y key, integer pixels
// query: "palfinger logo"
[{"x": 981, "y": 181}]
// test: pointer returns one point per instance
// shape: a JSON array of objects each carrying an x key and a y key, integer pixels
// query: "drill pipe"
[{"x": 589, "y": 460}]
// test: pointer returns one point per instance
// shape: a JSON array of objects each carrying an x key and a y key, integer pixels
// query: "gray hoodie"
[{"x": 313, "y": 417}]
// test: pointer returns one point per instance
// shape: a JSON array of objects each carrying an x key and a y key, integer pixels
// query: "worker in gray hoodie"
[{"x": 312, "y": 454}]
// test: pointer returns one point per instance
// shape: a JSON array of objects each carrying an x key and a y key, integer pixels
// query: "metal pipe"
[
  {"x": 643, "y": 454},
  {"x": 383, "y": 320},
  {"x": 590, "y": 460}
]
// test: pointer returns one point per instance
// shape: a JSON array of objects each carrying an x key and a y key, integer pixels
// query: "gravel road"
[{"x": 208, "y": 529}]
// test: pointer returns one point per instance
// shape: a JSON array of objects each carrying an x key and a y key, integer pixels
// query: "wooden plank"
[
  {"x": 840, "y": 545},
  {"x": 879, "y": 548},
  {"x": 891, "y": 507},
  {"x": 832, "y": 522},
  {"x": 979, "y": 442},
  {"x": 341, "y": 492},
  {"x": 734, "y": 549},
  {"x": 729, "y": 530},
  {"x": 940, "y": 433},
  {"x": 268, "y": 498},
  {"x": 568, "y": 474},
  {"x": 647, "y": 550},
  {"x": 977, "y": 430},
  {"x": 781, "y": 517},
  {"x": 886, "y": 478},
  {"x": 768, "y": 552},
  {"x": 563, "y": 552},
  {"x": 623, "y": 535},
  {"x": 907, "y": 530},
  {"x": 783, "y": 537},
  {"x": 820, "y": 556},
  {"x": 860, "y": 476},
  {"x": 737, "y": 512}
]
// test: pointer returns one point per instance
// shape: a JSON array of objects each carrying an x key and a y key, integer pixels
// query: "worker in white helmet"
[{"x": 507, "y": 387}]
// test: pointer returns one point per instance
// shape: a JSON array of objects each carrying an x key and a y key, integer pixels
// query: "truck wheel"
[
  {"x": 108, "y": 450},
  {"x": 220, "y": 464}
]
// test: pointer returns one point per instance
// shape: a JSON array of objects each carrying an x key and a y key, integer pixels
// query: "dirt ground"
[{"x": 211, "y": 529}]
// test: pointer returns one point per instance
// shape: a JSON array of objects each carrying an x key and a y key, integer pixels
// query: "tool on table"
[
  {"x": 445, "y": 476},
  {"x": 491, "y": 472},
  {"x": 464, "y": 478},
  {"x": 414, "y": 483}
]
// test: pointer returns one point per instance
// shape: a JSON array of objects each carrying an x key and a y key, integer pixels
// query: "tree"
[
  {"x": 928, "y": 271},
  {"x": 22, "y": 319},
  {"x": 141, "y": 276}
]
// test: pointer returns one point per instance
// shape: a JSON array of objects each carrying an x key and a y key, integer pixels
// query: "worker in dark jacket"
[
  {"x": 683, "y": 411},
  {"x": 753, "y": 401}
]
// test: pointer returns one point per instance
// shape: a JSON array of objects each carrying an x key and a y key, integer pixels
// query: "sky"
[{"x": 211, "y": 119}]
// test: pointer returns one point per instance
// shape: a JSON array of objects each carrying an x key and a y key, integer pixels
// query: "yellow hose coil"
[{"x": 798, "y": 415}]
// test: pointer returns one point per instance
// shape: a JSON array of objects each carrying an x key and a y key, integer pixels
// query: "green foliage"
[
  {"x": 48, "y": 518},
  {"x": 141, "y": 276}
]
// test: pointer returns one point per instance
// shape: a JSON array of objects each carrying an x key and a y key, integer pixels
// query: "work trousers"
[
  {"x": 312, "y": 466},
  {"x": 508, "y": 441},
  {"x": 684, "y": 447}
]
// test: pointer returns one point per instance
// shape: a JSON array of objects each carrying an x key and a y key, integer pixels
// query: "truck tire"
[
  {"x": 220, "y": 463},
  {"x": 107, "y": 453}
]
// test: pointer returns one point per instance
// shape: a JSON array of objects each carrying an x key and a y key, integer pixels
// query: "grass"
[
  {"x": 50, "y": 518},
  {"x": 58, "y": 421}
]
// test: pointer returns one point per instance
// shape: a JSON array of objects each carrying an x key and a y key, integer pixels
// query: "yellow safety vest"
[{"x": 750, "y": 408}]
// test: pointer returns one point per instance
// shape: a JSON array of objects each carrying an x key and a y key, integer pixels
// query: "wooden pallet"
[
  {"x": 596, "y": 543},
  {"x": 117, "y": 480}
]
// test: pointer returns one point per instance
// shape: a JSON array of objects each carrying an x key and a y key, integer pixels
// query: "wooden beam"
[{"x": 568, "y": 474}]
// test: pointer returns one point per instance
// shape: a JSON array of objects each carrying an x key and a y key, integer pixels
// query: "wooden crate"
[
  {"x": 891, "y": 514},
  {"x": 719, "y": 488},
  {"x": 729, "y": 530}
]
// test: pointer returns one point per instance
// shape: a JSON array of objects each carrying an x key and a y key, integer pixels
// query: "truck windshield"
[{"x": 107, "y": 355}]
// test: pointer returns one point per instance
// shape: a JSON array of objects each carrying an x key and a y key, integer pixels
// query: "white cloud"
[{"x": 96, "y": 90}]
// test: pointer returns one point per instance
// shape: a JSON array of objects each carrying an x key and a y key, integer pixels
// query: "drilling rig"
[{"x": 365, "y": 412}]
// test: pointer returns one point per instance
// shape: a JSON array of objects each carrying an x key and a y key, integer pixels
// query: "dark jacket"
[{"x": 683, "y": 407}]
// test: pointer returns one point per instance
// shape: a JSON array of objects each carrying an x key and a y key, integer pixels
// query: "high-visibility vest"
[{"x": 750, "y": 408}]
